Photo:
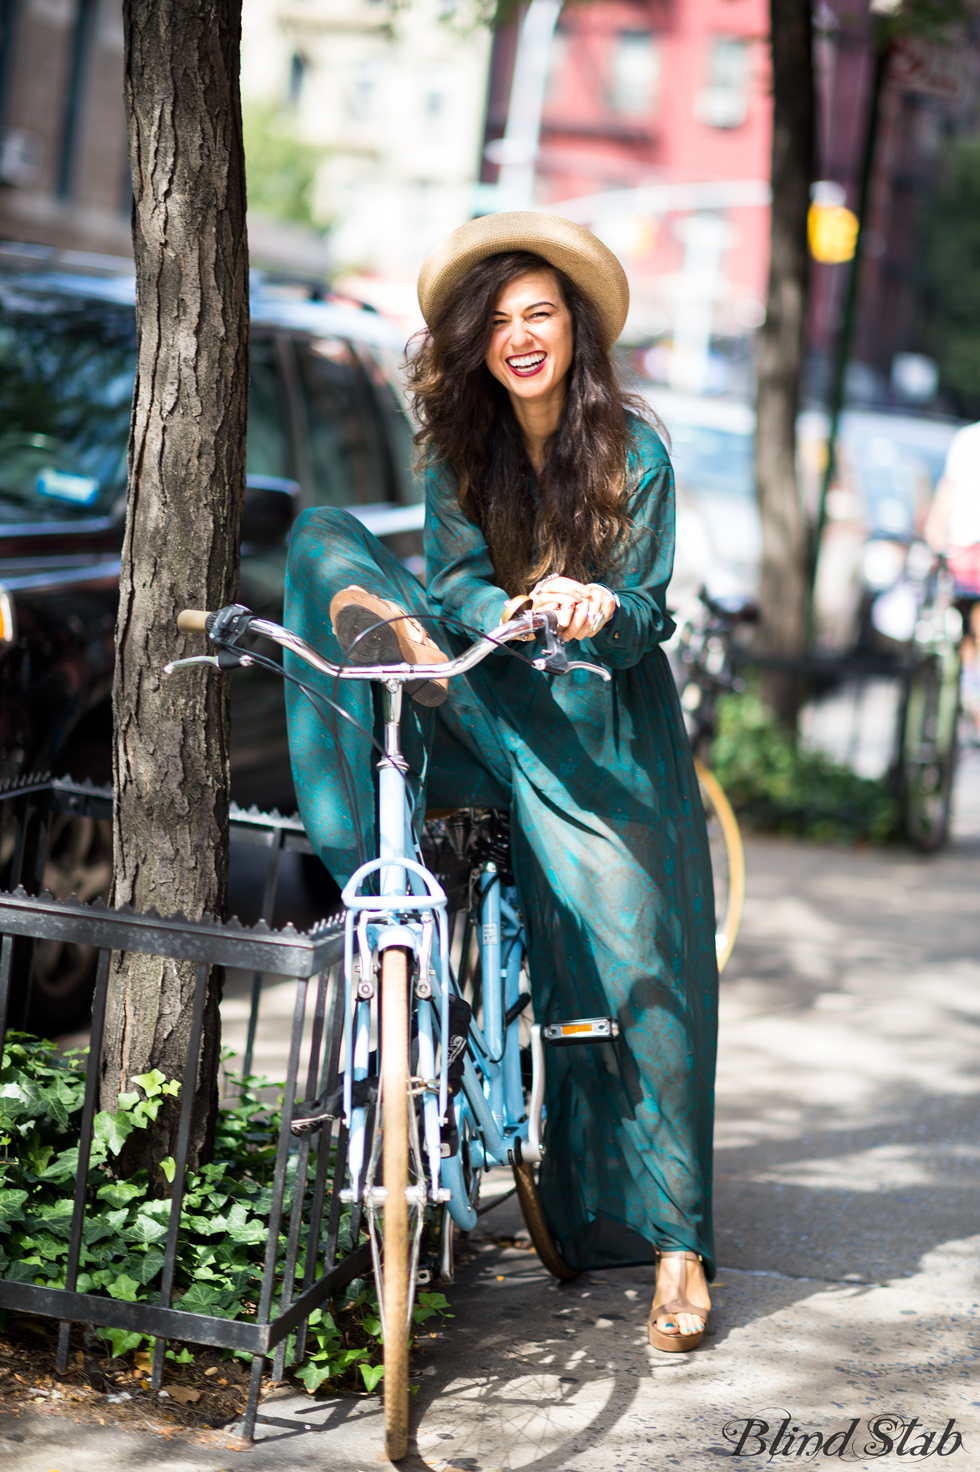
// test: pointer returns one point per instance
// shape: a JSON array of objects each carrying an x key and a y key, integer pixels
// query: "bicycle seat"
[{"x": 735, "y": 607}]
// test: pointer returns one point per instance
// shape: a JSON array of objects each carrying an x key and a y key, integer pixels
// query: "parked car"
[
  {"x": 888, "y": 466},
  {"x": 326, "y": 427}
]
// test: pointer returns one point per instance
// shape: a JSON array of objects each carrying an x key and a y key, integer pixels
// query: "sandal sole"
[{"x": 368, "y": 642}]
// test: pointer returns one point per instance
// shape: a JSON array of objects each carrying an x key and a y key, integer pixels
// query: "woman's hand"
[{"x": 582, "y": 608}]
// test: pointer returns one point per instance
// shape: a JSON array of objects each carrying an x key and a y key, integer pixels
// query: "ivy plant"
[{"x": 224, "y": 1218}]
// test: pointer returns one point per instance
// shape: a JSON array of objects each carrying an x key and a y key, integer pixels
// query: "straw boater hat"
[{"x": 572, "y": 248}]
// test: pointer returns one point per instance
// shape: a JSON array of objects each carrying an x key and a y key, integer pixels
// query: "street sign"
[{"x": 929, "y": 68}]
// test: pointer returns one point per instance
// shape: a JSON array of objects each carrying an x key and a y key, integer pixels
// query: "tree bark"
[
  {"x": 780, "y": 349},
  {"x": 181, "y": 549}
]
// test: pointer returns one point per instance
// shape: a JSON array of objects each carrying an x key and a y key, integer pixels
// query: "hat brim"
[{"x": 569, "y": 247}]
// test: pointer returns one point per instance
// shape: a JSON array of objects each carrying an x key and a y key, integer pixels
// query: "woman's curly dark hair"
[{"x": 580, "y": 518}]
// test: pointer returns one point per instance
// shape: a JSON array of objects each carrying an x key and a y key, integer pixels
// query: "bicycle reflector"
[{"x": 581, "y": 1030}]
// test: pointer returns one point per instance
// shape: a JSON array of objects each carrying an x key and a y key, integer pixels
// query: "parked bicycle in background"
[{"x": 701, "y": 656}]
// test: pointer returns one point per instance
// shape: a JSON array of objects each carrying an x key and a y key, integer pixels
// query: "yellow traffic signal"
[{"x": 832, "y": 230}]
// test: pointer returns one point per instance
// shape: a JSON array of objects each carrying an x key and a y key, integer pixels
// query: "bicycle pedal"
[{"x": 581, "y": 1030}]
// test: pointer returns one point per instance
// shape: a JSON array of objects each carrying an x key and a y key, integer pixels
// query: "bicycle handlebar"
[
  {"x": 193, "y": 621},
  {"x": 228, "y": 625}
]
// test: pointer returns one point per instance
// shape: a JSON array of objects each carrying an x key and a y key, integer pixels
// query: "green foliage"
[
  {"x": 951, "y": 268},
  {"x": 224, "y": 1220},
  {"x": 775, "y": 785},
  {"x": 280, "y": 168}
]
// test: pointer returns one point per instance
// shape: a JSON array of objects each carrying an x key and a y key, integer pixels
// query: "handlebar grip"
[{"x": 193, "y": 621}]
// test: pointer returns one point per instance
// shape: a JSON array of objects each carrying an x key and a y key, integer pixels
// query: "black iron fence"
[{"x": 300, "y": 1268}]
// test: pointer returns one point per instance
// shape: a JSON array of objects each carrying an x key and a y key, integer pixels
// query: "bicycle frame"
[{"x": 409, "y": 911}]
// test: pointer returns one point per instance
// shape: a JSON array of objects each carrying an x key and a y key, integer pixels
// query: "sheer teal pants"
[{"x": 612, "y": 869}]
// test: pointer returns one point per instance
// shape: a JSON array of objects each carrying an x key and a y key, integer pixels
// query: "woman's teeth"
[{"x": 526, "y": 364}]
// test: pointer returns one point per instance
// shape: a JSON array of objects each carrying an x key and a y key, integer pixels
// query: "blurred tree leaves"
[
  {"x": 951, "y": 275},
  {"x": 280, "y": 166}
]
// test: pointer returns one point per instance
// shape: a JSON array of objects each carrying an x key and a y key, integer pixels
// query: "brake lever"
[
  {"x": 225, "y": 659},
  {"x": 178, "y": 664},
  {"x": 595, "y": 669},
  {"x": 554, "y": 659}
]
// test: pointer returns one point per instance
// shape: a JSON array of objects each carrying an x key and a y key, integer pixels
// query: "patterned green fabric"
[{"x": 609, "y": 848}]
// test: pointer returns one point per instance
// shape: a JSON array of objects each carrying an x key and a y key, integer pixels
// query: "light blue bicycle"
[{"x": 430, "y": 1098}]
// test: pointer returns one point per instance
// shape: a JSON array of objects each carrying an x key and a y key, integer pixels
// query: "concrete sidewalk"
[{"x": 847, "y": 1210}]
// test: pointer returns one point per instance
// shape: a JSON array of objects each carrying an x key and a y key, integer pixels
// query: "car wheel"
[{"x": 79, "y": 863}]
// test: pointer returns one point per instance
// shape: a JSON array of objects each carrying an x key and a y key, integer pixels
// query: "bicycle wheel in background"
[
  {"x": 928, "y": 759},
  {"x": 397, "y": 1290},
  {"x": 727, "y": 861}
]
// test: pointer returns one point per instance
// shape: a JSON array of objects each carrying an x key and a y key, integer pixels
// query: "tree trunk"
[
  {"x": 783, "y": 579},
  {"x": 181, "y": 550}
]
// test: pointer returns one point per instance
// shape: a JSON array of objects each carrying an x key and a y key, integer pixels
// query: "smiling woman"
[{"x": 545, "y": 483}]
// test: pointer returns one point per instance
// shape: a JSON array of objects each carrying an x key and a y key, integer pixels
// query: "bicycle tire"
[
  {"x": 729, "y": 874},
  {"x": 397, "y": 1293},
  {"x": 530, "y": 1203},
  {"x": 929, "y": 748}
]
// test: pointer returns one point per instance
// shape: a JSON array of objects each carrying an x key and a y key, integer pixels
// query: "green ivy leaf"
[
  {"x": 11, "y": 1202},
  {"x": 144, "y": 1266},
  {"x": 372, "y": 1374},
  {"x": 121, "y": 1341},
  {"x": 151, "y": 1083},
  {"x": 313, "y": 1376},
  {"x": 169, "y": 1167},
  {"x": 125, "y": 1288},
  {"x": 202, "y": 1298},
  {"x": 113, "y": 1130},
  {"x": 121, "y": 1193}
]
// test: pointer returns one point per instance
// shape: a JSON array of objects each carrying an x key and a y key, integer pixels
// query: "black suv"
[{"x": 326, "y": 426}]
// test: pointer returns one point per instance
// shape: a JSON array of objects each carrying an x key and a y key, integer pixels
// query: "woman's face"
[{"x": 531, "y": 345}]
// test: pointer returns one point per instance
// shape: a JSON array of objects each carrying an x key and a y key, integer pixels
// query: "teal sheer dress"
[{"x": 610, "y": 853}]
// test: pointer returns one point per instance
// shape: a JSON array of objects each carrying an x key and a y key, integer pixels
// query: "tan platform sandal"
[
  {"x": 676, "y": 1343},
  {"x": 359, "y": 620}
]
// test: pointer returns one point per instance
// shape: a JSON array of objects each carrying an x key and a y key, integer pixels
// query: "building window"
[
  {"x": 724, "y": 101},
  {"x": 297, "y": 76},
  {"x": 71, "y": 142},
  {"x": 360, "y": 103},
  {"x": 435, "y": 94},
  {"x": 634, "y": 73}
]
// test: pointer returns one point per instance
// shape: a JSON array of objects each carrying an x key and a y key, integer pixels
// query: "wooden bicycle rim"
[
  {"x": 395, "y": 1104},
  {"x": 728, "y": 925}
]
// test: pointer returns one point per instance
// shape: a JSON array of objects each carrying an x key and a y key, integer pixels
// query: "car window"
[
  {"x": 268, "y": 451},
  {"x": 350, "y": 459},
  {"x": 386, "y": 369},
  {"x": 66, "y": 386}
]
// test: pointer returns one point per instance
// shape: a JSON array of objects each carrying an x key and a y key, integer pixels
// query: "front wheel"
[
  {"x": 397, "y": 1289},
  {"x": 928, "y": 760}
]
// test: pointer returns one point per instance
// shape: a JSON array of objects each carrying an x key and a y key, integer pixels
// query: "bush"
[
  {"x": 281, "y": 167},
  {"x": 773, "y": 785},
  {"x": 224, "y": 1220}
]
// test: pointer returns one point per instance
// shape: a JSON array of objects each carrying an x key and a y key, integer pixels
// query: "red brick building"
[
  {"x": 656, "y": 124},
  {"x": 656, "y": 132},
  {"x": 64, "y": 175}
]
